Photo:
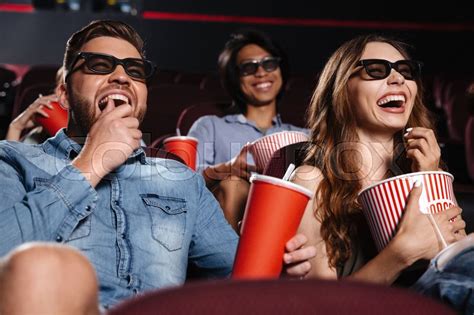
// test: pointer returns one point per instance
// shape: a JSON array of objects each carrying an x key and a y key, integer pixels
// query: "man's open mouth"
[{"x": 118, "y": 99}]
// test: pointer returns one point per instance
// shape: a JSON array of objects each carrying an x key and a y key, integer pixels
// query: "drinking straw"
[
  {"x": 438, "y": 231},
  {"x": 288, "y": 172},
  {"x": 178, "y": 132},
  {"x": 419, "y": 183}
]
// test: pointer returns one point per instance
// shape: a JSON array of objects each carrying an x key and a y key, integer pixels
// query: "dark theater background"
[
  {"x": 184, "y": 39},
  {"x": 187, "y": 35}
]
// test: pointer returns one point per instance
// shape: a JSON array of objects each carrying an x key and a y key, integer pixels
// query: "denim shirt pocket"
[
  {"x": 168, "y": 217},
  {"x": 82, "y": 229}
]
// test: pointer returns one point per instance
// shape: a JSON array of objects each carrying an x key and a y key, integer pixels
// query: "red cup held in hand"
[
  {"x": 57, "y": 118},
  {"x": 183, "y": 146},
  {"x": 272, "y": 215}
]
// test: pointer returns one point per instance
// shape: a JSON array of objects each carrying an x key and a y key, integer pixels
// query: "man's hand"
[
  {"x": 238, "y": 165},
  {"x": 296, "y": 259},
  {"x": 111, "y": 140}
]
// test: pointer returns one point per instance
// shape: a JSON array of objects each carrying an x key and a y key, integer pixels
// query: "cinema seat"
[{"x": 281, "y": 296}]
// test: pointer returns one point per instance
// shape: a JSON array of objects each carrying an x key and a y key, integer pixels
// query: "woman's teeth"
[{"x": 390, "y": 98}]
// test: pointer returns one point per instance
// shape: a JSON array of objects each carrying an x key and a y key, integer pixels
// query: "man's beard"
[{"x": 83, "y": 113}]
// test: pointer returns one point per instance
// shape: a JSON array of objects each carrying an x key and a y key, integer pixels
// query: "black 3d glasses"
[
  {"x": 250, "y": 67},
  {"x": 136, "y": 68},
  {"x": 380, "y": 68}
]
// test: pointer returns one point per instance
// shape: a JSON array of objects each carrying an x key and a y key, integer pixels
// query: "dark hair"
[
  {"x": 227, "y": 62},
  {"x": 96, "y": 29},
  {"x": 332, "y": 123}
]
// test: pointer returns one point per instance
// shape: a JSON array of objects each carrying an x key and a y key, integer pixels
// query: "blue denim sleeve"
[
  {"x": 203, "y": 129},
  {"x": 214, "y": 242},
  {"x": 49, "y": 212},
  {"x": 450, "y": 276}
]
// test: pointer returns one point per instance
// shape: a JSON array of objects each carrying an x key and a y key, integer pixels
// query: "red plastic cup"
[
  {"x": 183, "y": 146},
  {"x": 383, "y": 203},
  {"x": 57, "y": 118},
  {"x": 272, "y": 215}
]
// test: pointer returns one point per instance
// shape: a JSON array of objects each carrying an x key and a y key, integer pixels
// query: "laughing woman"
[{"x": 368, "y": 122}]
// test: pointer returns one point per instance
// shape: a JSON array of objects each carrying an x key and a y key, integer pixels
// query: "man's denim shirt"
[{"x": 139, "y": 227}]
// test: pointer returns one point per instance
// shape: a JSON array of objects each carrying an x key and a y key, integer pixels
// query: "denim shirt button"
[
  {"x": 59, "y": 238},
  {"x": 88, "y": 208},
  {"x": 116, "y": 202}
]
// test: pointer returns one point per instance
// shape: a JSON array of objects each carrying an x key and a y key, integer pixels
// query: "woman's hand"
[
  {"x": 417, "y": 237},
  {"x": 297, "y": 256},
  {"x": 423, "y": 149},
  {"x": 25, "y": 121}
]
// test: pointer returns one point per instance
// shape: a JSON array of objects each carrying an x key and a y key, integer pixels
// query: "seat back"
[
  {"x": 29, "y": 95},
  {"x": 469, "y": 146},
  {"x": 282, "y": 297},
  {"x": 163, "y": 77},
  {"x": 293, "y": 106},
  {"x": 7, "y": 78},
  {"x": 38, "y": 79},
  {"x": 166, "y": 102},
  {"x": 451, "y": 95},
  {"x": 158, "y": 142},
  {"x": 40, "y": 74},
  {"x": 212, "y": 81},
  {"x": 190, "y": 78}
]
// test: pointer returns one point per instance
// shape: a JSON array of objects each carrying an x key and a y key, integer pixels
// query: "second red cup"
[
  {"x": 57, "y": 118},
  {"x": 183, "y": 146},
  {"x": 272, "y": 215}
]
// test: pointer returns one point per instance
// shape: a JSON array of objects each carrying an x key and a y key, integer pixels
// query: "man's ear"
[{"x": 63, "y": 95}]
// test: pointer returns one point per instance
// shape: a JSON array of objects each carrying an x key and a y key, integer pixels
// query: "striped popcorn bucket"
[
  {"x": 263, "y": 148},
  {"x": 384, "y": 202}
]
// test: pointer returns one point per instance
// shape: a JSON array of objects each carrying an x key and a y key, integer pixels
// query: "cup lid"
[
  {"x": 282, "y": 183},
  {"x": 181, "y": 138},
  {"x": 404, "y": 176}
]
